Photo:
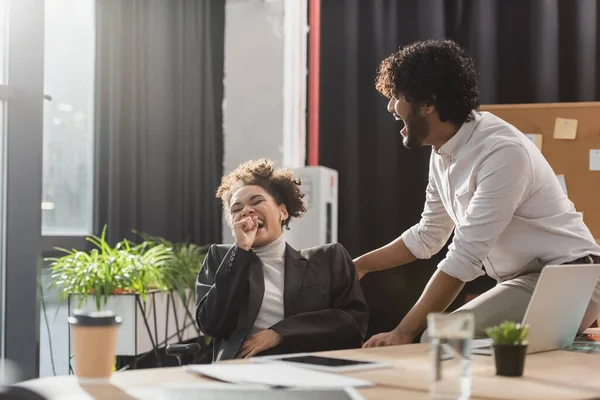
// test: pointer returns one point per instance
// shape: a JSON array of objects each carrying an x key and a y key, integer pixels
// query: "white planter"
[{"x": 146, "y": 324}]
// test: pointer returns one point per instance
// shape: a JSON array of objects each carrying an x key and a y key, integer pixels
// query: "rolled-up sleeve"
[
  {"x": 427, "y": 238},
  {"x": 504, "y": 180}
]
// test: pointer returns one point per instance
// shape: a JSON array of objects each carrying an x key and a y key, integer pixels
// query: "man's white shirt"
[{"x": 493, "y": 186}]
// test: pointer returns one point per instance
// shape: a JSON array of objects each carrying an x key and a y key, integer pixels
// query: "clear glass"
[
  {"x": 68, "y": 181},
  {"x": 451, "y": 336}
]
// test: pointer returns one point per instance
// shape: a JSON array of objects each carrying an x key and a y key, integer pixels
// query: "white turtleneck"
[{"x": 273, "y": 264}]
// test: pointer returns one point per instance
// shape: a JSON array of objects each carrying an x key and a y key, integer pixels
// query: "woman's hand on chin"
[{"x": 244, "y": 232}]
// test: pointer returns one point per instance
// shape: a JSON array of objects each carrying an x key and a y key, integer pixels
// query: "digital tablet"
[{"x": 322, "y": 363}]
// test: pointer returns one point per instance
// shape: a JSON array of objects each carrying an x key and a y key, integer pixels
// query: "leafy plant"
[
  {"x": 508, "y": 333},
  {"x": 107, "y": 270},
  {"x": 181, "y": 270}
]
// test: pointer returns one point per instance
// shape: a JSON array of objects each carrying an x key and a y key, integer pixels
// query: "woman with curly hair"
[{"x": 260, "y": 296}]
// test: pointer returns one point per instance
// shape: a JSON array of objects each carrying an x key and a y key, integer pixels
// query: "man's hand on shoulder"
[{"x": 359, "y": 271}]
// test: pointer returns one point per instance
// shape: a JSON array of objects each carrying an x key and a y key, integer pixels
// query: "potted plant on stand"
[
  {"x": 139, "y": 282},
  {"x": 510, "y": 347}
]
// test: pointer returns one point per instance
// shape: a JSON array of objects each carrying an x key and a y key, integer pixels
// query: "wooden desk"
[
  {"x": 553, "y": 375},
  {"x": 130, "y": 385}
]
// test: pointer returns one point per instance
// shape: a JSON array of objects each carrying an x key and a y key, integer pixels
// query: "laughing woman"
[{"x": 260, "y": 296}]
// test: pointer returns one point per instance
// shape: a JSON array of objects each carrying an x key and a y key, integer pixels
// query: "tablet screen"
[{"x": 323, "y": 361}]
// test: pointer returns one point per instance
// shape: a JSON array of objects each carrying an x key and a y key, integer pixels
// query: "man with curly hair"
[
  {"x": 488, "y": 183},
  {"x": 261, "y": 296}
]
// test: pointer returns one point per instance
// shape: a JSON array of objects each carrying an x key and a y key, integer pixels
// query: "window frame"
[
  {"x": 49, "y": 242},
  {"x": 23, "y": 137}
]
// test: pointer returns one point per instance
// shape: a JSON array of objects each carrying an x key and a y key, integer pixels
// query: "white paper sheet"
[
  {"x": 594, "y": 160},
  {"x": 275, "y": 375},
  {"x": 563, "y": 183},
  {"x": 226, "y": 391},
  {"x": 535, "y": 139}
]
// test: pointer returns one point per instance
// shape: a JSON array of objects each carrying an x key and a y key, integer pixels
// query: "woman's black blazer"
[{"x": 324, "y": 307}]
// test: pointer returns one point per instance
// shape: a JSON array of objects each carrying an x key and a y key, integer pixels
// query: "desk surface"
[{"x": 552, "y": 375}]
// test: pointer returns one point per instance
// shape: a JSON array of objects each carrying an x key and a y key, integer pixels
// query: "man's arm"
[
  {"x": 440, "y": 292},
  {"x": 391, "y": 255},
  {"x": 423, "y": 240},
  {"x": 504, "y": 180}
]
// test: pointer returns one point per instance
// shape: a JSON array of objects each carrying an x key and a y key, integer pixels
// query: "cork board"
[{"x": 570, "y": 158}]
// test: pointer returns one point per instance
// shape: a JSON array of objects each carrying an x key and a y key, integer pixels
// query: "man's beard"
[{"x": 416, "y": 132}]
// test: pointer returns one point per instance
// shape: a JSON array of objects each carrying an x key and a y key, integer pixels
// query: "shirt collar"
[{"x": 461, "y": 137}]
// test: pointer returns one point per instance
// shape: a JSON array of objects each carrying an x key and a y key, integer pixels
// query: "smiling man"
[{"x": 487, "y": 182}]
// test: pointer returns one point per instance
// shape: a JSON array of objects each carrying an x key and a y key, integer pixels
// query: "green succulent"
[{"x": 508, "y": 332}]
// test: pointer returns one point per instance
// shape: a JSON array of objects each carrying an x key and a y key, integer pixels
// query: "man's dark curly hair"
[
  {"x": 432, "y": 72},
  {"x": 279, "y": 183}
]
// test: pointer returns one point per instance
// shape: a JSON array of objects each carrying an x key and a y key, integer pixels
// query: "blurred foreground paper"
[
  {"x": 536, "y": 138},
  {"x": 563, "y": 183},
  {"x": 565, "y": 128},
  {"x": 276, "y": 375},
  {"x": 225, "y": 391}
]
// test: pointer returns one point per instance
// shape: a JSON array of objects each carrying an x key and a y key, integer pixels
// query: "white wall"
[
  {"x": 261, "y": 65},
  {"x": 253, "y": 103}
]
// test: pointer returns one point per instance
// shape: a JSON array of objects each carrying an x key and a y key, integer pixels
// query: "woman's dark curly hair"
[
  {"x": 432, "y": 72},
  {"x": 279, "y": 183}
]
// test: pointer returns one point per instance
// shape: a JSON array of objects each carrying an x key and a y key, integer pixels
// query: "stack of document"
[{"x": 276, "y": 376}]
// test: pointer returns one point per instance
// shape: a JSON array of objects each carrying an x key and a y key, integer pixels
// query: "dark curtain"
[
  {"x": 525, "y": 51},
  {"x": 159, "y": 118}
]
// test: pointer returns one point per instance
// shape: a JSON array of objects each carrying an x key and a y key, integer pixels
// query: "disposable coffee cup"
[{"x": 94, "y": 338}]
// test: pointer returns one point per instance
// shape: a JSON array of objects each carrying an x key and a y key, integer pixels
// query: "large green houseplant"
[
  {"x": 108, "y": 270},
  {"x": 127, "y": 267}
]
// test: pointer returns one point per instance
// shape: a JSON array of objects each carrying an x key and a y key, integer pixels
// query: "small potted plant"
[{"x": 510, "y": 347}]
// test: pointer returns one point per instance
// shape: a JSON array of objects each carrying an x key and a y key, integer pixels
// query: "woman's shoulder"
[{"x": 326, "y": 250}]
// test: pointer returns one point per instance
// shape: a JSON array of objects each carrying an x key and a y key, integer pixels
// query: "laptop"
[{"x": 556, "y": 309}]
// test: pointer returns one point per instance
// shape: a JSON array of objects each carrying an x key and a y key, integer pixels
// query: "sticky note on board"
[
  {"x": 563, "y": 183},
  {"x": 536, "y": 138},
  {"x": 565, "y": 128},
  {"x": 594, "y": 159}
]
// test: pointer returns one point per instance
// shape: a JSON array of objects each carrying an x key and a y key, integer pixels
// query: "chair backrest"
[{"x": 18, "y": 393}]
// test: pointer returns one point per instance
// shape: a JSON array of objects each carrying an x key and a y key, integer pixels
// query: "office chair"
[
  {"x": 184, "y": 352},
  {"x": 18, "y": 393}
]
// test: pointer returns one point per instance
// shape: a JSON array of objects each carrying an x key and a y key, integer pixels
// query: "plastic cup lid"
[{"x": 94, "y": 318}]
